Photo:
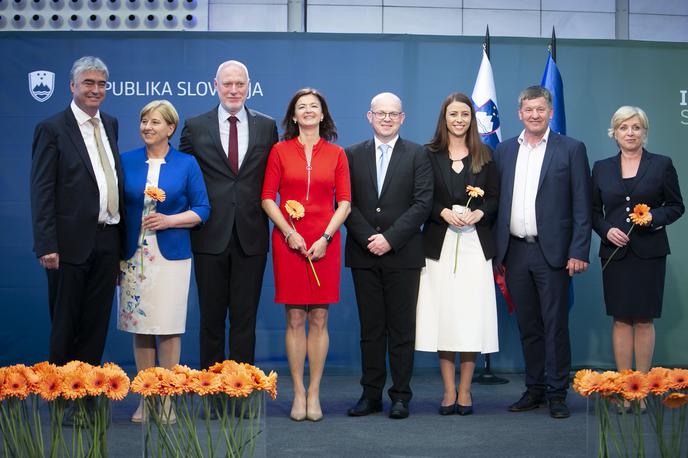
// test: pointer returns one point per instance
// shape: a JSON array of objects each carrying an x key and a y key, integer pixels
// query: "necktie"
[
  {"x": 233, "y": 153},
  {"x": 112, "y": 194},
  {"x": 381, "y": 167}
]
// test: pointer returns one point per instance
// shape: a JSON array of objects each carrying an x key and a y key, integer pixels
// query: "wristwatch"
[{"x": 327, "y": 237}]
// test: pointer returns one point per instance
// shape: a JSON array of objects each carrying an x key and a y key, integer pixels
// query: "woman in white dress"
[
  {"x": 457, "y": 309},
  {"x": 164, "y": 196}
]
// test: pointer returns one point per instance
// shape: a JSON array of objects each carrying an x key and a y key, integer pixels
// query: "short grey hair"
[
  {"x": 234, "y": 63},
  {"x": 384, "y": 95},
  {"x": 87, "y": 64},
  {"x": 535, "y": 92},
  {"x": 625, "y": 113}
]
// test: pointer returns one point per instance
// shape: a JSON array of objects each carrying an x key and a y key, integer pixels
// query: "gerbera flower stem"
[{"x": 617, "y": 249}]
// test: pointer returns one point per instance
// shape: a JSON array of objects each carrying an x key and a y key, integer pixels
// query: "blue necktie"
[{"x": 381, "y": 167}]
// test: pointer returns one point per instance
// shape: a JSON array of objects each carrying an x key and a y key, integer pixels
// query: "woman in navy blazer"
[
  {"x": 164, "y": 196},
  {"x": 634, "y": 176}
]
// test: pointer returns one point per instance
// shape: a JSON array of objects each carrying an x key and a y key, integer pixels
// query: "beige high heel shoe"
[{"x": 298, "y": 413}]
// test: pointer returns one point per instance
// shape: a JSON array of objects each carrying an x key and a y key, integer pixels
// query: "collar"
[
  {"x": 223, "y": 114},
  {"x": 81, "y": 116},
  {"x": 522, "y": 138},
  {"x": 391, "y": 143}
]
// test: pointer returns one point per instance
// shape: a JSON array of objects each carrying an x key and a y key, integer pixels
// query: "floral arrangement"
[
  {"x": 295, "y": 210},
  {"x": 86, "y": 389},
  {"x": 473, "y": 191},
  {"x": 640, "y": 216},
  {"x": 654, "y": 392},
  {"x": 155, "y": 194},
  {"x": 176, "y": 399}
]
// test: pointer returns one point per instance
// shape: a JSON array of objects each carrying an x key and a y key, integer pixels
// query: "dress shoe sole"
[
  {"x": 398, "y": 416},
  {"x": 526, "y": 409},
  {"x": 560, "y": 416}
]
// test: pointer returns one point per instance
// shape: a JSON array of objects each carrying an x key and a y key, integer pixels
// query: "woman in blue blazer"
[
  {"x": 634, "y": 176},
  {"x": 164, "y": 196}
]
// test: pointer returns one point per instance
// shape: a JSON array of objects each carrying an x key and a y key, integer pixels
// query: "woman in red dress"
[{"x": 306, "y": 168}]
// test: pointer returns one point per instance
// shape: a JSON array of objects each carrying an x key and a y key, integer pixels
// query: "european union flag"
[{"x": 551, "y": 80}]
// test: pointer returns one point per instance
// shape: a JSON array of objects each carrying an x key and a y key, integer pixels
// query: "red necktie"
[{"x": 233, "y": 145}]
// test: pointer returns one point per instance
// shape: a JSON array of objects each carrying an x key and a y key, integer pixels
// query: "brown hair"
[
  {"x": 481, "y": 154},
  {"x": 328, "y": 130}
]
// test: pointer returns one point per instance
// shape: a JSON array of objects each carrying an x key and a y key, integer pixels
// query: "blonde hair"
[
  {"x": 625, "y": 113},
  {"x": 165, "y": 108}
]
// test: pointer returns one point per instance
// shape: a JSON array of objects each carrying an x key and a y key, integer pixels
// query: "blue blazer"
[
  {"x": 181, "y": 179},
  {"x": 562, "y": 205},
  {"x": 656, "y": 184}
]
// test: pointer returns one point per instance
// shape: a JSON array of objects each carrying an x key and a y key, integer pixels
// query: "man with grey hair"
[
  {"x": 76, "y": 197},
  {"x": 391, "y": 188},
  {"x": 231, "y": 143}
]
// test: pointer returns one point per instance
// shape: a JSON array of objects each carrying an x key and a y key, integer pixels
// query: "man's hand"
[
  {"x": 576, "y": 266},
  {"x": 378, "y": 244},
  {"x": 50, "y": 261}
]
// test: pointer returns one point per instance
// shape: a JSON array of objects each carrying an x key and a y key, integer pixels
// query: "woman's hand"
[
  {"x": 470, "y": 218},
  {"x": 617, "y": 237},
  {"x": 318, "y": 250},
  {"x": 156, "y": 222},
  {"x": 451, "y": 217},
  {"x": 296, "y": 242}
]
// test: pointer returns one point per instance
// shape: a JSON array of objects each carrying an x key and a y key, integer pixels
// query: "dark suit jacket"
[
  {"x": 655, "y": 184},
  {"x": 235, "y": 199},
  {"x": 563, "y": 202},
  {"x": 399, "y": 212},
  {"x": 64, "y": 191},
  {"x": 435, "y": 227}
]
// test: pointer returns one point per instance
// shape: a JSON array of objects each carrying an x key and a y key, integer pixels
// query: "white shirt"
[
  {"x": 242, "y": 131},
  {"x": 86, "y": 128},
  {"x": 526, "y": 181},
  {"x": 390, "y": 150}
]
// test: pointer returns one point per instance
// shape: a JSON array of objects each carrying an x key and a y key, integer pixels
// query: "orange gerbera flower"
[
  {"x": 294, "y": 209},
  {"x": 50, "y": 386},
  {"x": 678, "y": 379},
  {"x": 270, "y": 385},
  {"x": 588, "y": 382},
  {"x": 75, "y": 365},
  {"x": 641, "y": 215},
  {"x": 205, "y": 383},
  {"x": 146, "y": 383},
  {"x": 675, "y": 400},
  {"x": 634, "y": 386},
  {"x": 74, "y": 385},
  {"x": 16, "y": 385},
  {"x": 657, "y": 382},
  {"x": 96, "y": 381},
  {"x": 239, "y": 384},
  {"x": 181, "y": 369},
  {"x": 155, "y": 193},
  {"x": 474, "y": 191},
  {"x": 610, "y": 383},
  {"x": 117, "y": 385}
]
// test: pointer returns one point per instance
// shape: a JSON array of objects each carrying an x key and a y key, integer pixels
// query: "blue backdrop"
[{"x": 598, "y": 77}]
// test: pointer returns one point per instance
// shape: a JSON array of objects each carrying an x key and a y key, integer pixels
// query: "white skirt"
[{"x": 457, "y": 311}]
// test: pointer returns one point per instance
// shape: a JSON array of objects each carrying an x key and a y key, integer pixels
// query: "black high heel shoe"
[
  {"x": 450, "y": 409},
  {"x": 464, "y": 410}
]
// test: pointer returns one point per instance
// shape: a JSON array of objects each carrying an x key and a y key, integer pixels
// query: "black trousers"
[
  {"x": 387, "y": 312},
  {"x": 80, "y": 301},
  {"x": 228, "y": 283},
  {"x": 540, "y": 294}
]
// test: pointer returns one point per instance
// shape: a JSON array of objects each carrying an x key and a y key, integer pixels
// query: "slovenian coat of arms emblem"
[{"x": 41, "y": 84}]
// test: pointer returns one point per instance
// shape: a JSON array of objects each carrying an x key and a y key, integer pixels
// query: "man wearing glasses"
[{"x": 391, "y": 186}]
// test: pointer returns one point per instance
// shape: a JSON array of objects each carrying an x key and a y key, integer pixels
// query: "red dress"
[{"x": 287, "y": 173}]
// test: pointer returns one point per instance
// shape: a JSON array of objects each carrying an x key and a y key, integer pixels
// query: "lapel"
[
  {"x": 252, "y": 135},
  {"x": 510, "y": 173},
  {"x": 444, "y": 166},
  {"x": 109, "y": 130},
  {"x": 397, "y": 155},
  {"x": 213, "y": 126},
  {"x": 74, "y": 134},
  {"x": 645, "y": 162},
  {"x": 550, "y": 151},
  {"x": 369, "y": 152}
]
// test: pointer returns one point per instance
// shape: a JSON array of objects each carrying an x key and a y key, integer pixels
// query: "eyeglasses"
[{"x": 380, "y": 115}]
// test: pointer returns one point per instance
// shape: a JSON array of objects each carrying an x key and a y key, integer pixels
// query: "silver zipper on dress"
[{"x": 308, "y": 171}]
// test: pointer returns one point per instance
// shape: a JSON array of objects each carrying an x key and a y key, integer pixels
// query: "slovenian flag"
[
  {"x": 485, "y": 103},
  {"x": 551, "y": 80}
]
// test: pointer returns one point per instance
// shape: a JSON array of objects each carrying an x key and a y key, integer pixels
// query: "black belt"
[
  {"x": 526, "y": 239},
  {"x": 105, "y": 226}
]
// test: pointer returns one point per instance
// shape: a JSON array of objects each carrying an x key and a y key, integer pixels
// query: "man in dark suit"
[
  {"x": 391, "y": 187},
  {"x": 231, "y": 144},
  {"x": 76, "y": 200},
  {"x": 543, "y": 235}
]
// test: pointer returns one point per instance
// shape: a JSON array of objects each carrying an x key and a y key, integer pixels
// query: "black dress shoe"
[
  {"x": 528, "y": 401},
  {"x": 447, "y": 410},
  {"x": 558, "y": 409},
  {"x": 364, "y": 407},
  {"x": 399, "y": 410}
]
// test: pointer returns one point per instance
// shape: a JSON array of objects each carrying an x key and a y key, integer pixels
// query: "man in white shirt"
[
  {"x": 543, "y": 232},
  {"x": 76, "y": 199}
]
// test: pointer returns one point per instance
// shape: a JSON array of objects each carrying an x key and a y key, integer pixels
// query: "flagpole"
[
  {"x": 486, "y": 377},
  {"x": 552, "y": 47}
]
